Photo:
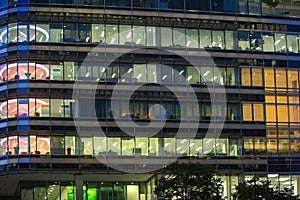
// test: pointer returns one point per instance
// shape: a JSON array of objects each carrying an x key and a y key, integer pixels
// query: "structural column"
[{"x": 79, "y": 186}]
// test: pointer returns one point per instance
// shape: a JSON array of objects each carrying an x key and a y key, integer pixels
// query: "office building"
[{"x": 45, "y": 43}]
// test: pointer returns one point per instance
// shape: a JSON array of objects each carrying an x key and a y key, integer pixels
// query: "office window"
[
  {"x": 169, "y": 146},
  {"x": 100, "y": 145},
  {"x": 294, "y": 111},
  {"x": 248, "y": 146},
  {"x": 283, "y": 147},
  {"x": 24, "y": 147},
  {"x": 233, "y": 112},
  {"x": 39, "y": 33},
  {"x": 259, "y": 146},
  {"x": 87, "y": 145},
  {"x": 139, "y": 73},
  {"x": 128, "y": 145},
  {"x": 70, "y": 33},
  {"x": 230, "y": 40},
  {"x": 258, "y": 112},
  {"x": 139, "y": 35},
  {"x": 193, "y": 75},
  {"x": 144, "y": 4},
  {"x": 98, "y": 33},
  {"x": 243, "y": 41},
  {"x": 180, "y": 73},
  {"x": 182, "y": 147},
  {"x": 246, "y": 76},
  {"x": 268, "y": 42},
  {"x": 218, "y": 40},
  {"x": 84, "y": 33},
  {"x": 23, "y": 32},
  {"x": 269, "y": 78},
  {"x": 192, "y": 38},
  {"x": 256, "y": 41},
  {"x": 166, "y": 36},
  {"x": 270, "y": 113},
  {"x": 113, "y": 146},
  {"x": 293, "y": 81},
  {"x": 141, "y": 147},
  {"x": 152, "y": 73},
  {"x": 207, "y": 75},
  {"x": 280, "y": 43},
  {"x": 111, "y": 33},
  {"x": 205, "y": 38},
  {"x": 293, "y": 43},
  {"x": 196, "y": 147},
  {"x": 154, "y": 146},
  {"x": 150, "y": 36},
  {"x": 247, "y": 112},
  {"x": 56, "y": 71},
  {"x": 57, "y": 145},
  {"x": 57, "y": 108},
  {"x": 281, "y": 79},
  {"x": 125, "y": 35},
  {"x": 12, "y": 34},
  {"x": 56, "y": 32},
  {"x": 257, "y": 77},
  {"x": 166, "y": 74},
  {"x": 179, "y": 37},
  {"x": 272, "y": 147},
  {"x": 125, "y": 72},
  {"x": 4, "y": 36},
  {"x": 72, "y": 146},
  {"x": 232, "y": 76}
]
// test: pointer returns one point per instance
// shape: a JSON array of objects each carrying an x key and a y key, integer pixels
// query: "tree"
[
  {"x": 256, "y": 189},
  {"x": 271, "y": 3},
  {"x": 189, "y": 182}
]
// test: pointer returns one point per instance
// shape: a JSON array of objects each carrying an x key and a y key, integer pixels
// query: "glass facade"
[{"x": 43, "y": 47}]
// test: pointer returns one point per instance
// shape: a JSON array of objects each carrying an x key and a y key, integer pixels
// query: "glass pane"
[
  {"x": 258, "y": 111},
  {"x": 269, "y": 78},
  {"x": 179, "y": 37},
  {"x": 280, "y": 43},
  {"x": 218, "y": 40},
  {"x": 247, "y": 112},
  {"x": 244, "y": 41},
  {"x": 293, "y": 81},
  {"x": 257, "y": 77},
  {"x": 246, "y": 78},
  {"x": 270, "y": 113},
  {"x": 205, "y": 38},
  {"x": 192, "y": 39},
  {"x": 125, "y": 35},
  {"x": 166, "y": 37},
  {"x": 151, "y": 36},
  {"x": 139, "y": 35},
  {"x": 111, "y": 34},
  {"x": 292, "y": 43},
  {"x": 268, "y": 42},
  {"x": 98, "y": 33},
  {"x": 56, "y": 32}
]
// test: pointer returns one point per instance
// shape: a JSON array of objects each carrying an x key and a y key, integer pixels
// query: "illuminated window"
[
  {"x": 293, "y": 81},
  {"x": 258, "y": 112},
  {"x": 205, "y": 38},
  {"x": 192, "y": 40},
  {"x": 257, "y": 77},
  {"x": 269, "y": 78},
  {"x": 281, "y": 78},
  {"x": 247, "y": 112},
  {"x": 270, "y": 113},
  {"x": 282, "y": 113},
  {"x": 246, "y": 78}
]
